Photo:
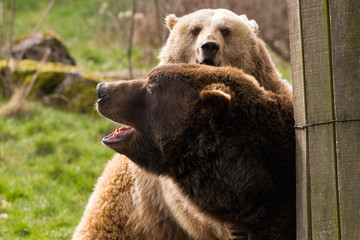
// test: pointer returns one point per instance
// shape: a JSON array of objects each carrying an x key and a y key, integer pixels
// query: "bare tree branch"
[
  {"x": 158, "y": 21},
  {"x": 7, "y": 79},
  {"x": 37, "y": 27},
  {"x": 131, "y": 36},
  {"x": 36, "y": 74},
  {"x": 9, "y": 70},
  {"x": 17, "y": 103},
  {"x": 11, "y": 28},
  {"x": 2, "y": 29}
]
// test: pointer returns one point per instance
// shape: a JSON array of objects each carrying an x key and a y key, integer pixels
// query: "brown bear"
[
  {"x": 220, "y": 37},
  {"x": 213, "y": 37},
  {"x": 212, "y": 157}
]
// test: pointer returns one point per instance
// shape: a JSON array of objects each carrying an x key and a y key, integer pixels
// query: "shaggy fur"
[
  {"x": 236, "y": 36},
  {"x": 212, "y": 154},
  {"x": 103, "y": 217}
]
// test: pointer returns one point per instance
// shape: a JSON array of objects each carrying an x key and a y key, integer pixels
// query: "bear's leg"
[{"x": 110, "y": 204}]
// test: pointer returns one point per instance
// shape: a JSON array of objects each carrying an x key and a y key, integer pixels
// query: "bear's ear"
[
  {"x": 254, "y": 27},
  {"x": 170, "y": 21},
  {"x": 216, "y": 96}
]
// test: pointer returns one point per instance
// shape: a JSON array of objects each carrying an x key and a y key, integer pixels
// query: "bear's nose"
[
  {"x": 101, "y": 90},
  {"x": 210, "y": 48}
]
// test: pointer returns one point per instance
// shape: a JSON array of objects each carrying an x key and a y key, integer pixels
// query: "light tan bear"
[
  {"x": 130, "y": 203},
  {"x": 222, "y": 38}
]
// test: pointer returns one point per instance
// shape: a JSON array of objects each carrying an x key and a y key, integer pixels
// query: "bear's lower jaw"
[{"x": 119, "y": 135}]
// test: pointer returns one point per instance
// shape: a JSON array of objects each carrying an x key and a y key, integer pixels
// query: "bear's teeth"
[
  {"x": 119, "y": 131},
  {"x": 114, "y": 133}
]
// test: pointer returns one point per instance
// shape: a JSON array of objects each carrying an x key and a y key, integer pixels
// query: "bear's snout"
[
  {"x": 210, "y": 49},
  {"x": 101, "y": 90}
]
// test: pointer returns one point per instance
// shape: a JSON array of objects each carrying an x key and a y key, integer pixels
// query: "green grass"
[
  {"x": 49, "y": 163},
  {"x": 285, "y": 72}
]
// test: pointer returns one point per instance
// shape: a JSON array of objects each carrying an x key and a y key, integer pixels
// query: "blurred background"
[
  {"x": 97, "y": 32},
  {"x": 52, "y": 55}
]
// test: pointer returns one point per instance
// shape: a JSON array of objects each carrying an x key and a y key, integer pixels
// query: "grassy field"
[{"x": 49, "y": 163}]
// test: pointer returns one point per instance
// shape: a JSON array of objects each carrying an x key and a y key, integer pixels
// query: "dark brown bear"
[{"x": 213, "y": 154}]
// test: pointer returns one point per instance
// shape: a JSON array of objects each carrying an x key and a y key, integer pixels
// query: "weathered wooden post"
[{"x": 325, "y": 59}]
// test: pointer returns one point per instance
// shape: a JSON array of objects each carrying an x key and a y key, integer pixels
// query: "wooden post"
[{"x": 325, "y": 59}]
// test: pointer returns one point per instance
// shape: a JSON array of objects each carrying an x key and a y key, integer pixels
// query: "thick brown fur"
[
  {"x": 213, "y": 151},
  {"x": 243, "y": 49}
]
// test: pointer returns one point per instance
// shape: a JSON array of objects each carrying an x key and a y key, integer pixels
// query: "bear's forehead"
[
  {"x": 212, "y": 12},
  {"x": 215, "y": 18}
]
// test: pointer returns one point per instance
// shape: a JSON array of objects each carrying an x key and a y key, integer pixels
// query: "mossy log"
[{"x": 59, "y": 85}]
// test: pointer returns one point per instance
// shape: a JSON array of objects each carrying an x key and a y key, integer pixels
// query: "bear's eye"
[
  {"x": 225, "y": 32},
  {"x": 196, "y": 31}
]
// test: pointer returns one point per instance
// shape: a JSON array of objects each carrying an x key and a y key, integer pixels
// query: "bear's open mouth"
[{"x": 119, "y": 135}]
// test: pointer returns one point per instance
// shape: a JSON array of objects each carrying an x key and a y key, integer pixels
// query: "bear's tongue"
[{"x": 120, "y": 134}]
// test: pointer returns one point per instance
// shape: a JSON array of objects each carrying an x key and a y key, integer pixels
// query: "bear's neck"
[
  {"x": 206, "y": 168},
  {"x": 266, "y": 74},
  {"x": 215, "y": 169},
  {"x": 144, "y": 153}
]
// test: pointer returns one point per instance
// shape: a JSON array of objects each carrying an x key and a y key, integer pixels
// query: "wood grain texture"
[
  {"x": 327, "y": 77},
  {"x": 302, "y": 172},
  {"x": 319, "y": 107},
  {"x": 325, "y": 57},
  {"x": 345, "y": 42}
]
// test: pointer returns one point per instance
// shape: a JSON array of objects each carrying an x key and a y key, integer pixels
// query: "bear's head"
[
  {"x": 158, "y": 108},
  {"x": 220, "y": 37},
  {"x": 209, "y": 129},
  {"x": 213, "y": 37}
]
